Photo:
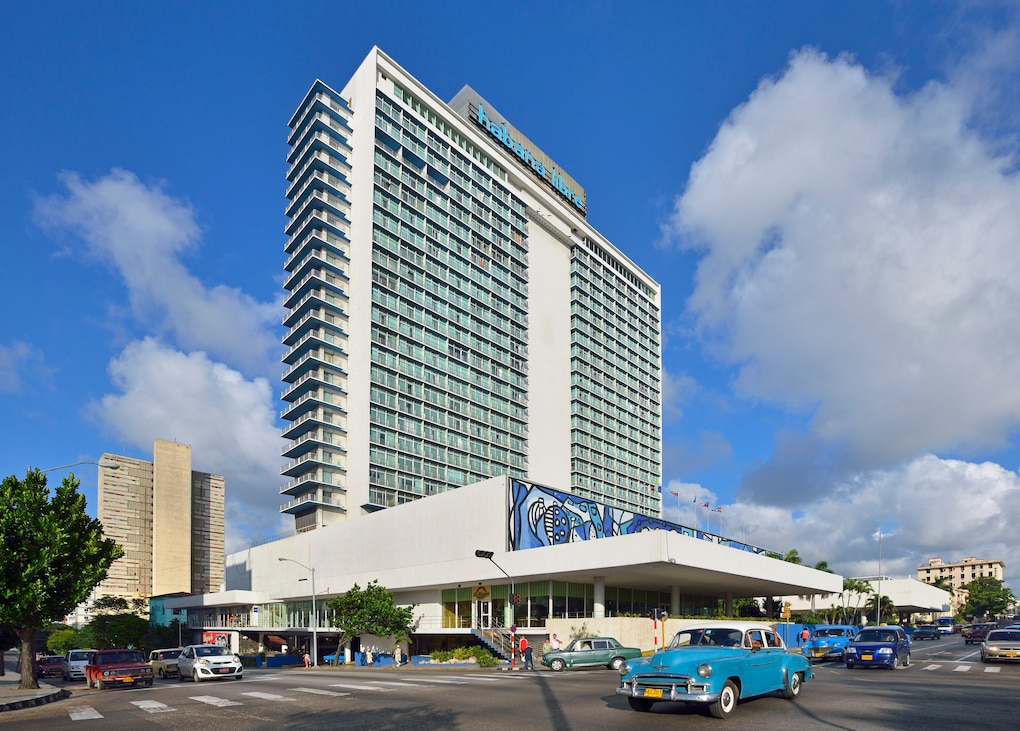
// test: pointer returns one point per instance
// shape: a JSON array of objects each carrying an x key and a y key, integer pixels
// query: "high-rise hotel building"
[{"x": 451, "y": 315}]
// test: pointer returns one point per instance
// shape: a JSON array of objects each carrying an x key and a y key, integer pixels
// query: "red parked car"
[
  {"x": 48, "y": 665},
  {"x": 117, "y": 667}
]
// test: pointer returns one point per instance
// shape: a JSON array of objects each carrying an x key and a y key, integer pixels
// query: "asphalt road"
[{"x": 946, "y": 687}]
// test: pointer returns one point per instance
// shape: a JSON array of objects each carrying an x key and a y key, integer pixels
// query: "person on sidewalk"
[
  {"x": 396, "y": 656},
  {"x": 529, "y": 659}
]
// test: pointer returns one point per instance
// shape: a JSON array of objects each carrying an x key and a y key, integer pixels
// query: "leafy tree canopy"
[
  {"x": 988, "y": 596},
  {"x": 62, "y": 640},
  {"x": 117, "y": 630},
  {"x": 52, "y": 554},
  {"x": 370, "y": 611},
  {"x": 793, "y": 556}
]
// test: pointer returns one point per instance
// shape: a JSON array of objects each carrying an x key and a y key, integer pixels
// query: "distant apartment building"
[
  {"x": 169, "y": 521},
  {"x": 959, "y": 574},
  {"x": 451, "y": 314}
]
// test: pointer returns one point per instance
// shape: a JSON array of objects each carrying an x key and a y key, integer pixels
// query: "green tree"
[
  {"x": 52, "y": 554},
  {"x": 65, "y": 639},
  {"x": 988, "y": 596},
  {"x": 823, "y": 566},
  {"x": 792, "y": 556},
  {"x": 860, "y": 589},
  {"x": 369, "y": 611},
  {"x": 888, "y": 615},
  {"x": 118, "y": 630}
]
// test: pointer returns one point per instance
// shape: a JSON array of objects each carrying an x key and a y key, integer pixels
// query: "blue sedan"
[
  {"x": 715, "y": 664},
  {"x": 886, "y": 647}
]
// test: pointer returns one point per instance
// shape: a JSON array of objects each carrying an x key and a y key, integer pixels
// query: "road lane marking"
[
  {"x": 931, "y": 667},
  {"x": 352, "y": 686},
  {"x": 473, "y": 678},
  {"x": 153, "y": 706},
  {"x": 319, "y": 691},
  {"x": 268, "y": 696},
  {"x": 214, "y": 701},
  {"x": 992, "y": 670},
  {"x": 83, "y": 713},
  {"x": 397, "y": 683},
  {"x": 437, "y": 680},
  {"x": 961, "y": 668}
]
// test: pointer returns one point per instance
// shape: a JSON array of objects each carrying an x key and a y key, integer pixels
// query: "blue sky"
[{"x": 827, "y": 192}]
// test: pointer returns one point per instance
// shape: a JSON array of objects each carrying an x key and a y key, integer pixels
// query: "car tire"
[
  {"x": 984, "y": 659},
  {"x": 101, "y": 684},
  {"x": 849, "y": 664},
  {"x": 557, "y": 664},
  {"x": 791, "y": 692},
  {"x": 194, "y": 676},
  {"x": 728, "y": 697},
  {"x": 148, "y": 683},
  {"x": 180, "y": 677},
  {"x": 895, "y": 663},
  {"x": 906, "y": 664},
  {"x": 615, "y": 663},
  {"x": 640, "y": 704},
  {"x": 162, "y": 674}
]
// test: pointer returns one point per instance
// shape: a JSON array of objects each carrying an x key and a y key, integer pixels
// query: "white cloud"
[
  {"x": 861, "y": 261},
  {"x": 929, "y": 507},
  {"x": 143, "y": 233},
  {"x": 228, "y": 420}
]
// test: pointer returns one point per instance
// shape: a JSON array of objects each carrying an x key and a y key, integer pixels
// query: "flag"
[
  {"x": 717, "y": 510},
  {"x": 674, "y": 494},
  {"x": 704, "y": 505}
]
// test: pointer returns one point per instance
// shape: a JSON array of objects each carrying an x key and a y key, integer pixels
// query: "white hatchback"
[{"x": 208, "y": 662}]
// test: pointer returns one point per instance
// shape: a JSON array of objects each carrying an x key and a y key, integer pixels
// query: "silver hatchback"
[{"x": 208, "y": 662}]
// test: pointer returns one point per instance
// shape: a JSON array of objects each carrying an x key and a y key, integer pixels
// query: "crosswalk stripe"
[
  {"x": 394, "y": 682},
  {"x": 479, "y": 678},
  {"x": 961, "y": 668},
  {"x": 437, "y": 680},
  {"x": 359, "y": 687},
  {"x": 83, "y": 713},
  {"x": 318, "y": 691},
  {"x": 214, "y": 701},
  {"x": 267, "y": 696},
  {"x": 153, "y": 706},
  {"x": 992, "y": 670},
  {"x": 931, "y": 667}
]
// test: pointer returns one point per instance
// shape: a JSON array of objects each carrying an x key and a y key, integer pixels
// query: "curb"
[{"x": 41, "y": 698}]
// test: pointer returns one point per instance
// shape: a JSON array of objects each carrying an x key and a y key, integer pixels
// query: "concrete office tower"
[
  {"x": 451, "y": 315},
  {"x": 169, "y": 521}
]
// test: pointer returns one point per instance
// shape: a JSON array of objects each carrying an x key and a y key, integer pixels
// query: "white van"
[{"x": 72, "y": 667}]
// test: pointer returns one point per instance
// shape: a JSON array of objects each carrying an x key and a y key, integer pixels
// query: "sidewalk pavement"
[{"x": 12, "y": 697}]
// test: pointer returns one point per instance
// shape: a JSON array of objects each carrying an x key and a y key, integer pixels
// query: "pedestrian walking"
[
  {"x": 804, "y": 636},
  {"x": 308, "y": 660},
  {"x": 396, "y": 656},
  {"x": 368, "y": 657}
]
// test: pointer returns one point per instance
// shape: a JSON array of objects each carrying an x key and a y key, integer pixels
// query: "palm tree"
[
  {"x": 888, "y": 608},
  {"x": 858, "y": 587},
  {"x": 792, "y": 556},
  {"x": 823, "y": 566}
]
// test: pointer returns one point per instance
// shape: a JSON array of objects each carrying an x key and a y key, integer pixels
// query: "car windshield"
[
  {"x": 212, "y": 651},
  {"x": 169, "y": 654},
  {"x": 719, "y": 636},
  {"x": 875, "y": 635},
  {"x": 1001, "y": 635},
  {"x": 79, "y": 656},
  {"x": 50, "y": 659},
  {"x": 829, "y": 633}
]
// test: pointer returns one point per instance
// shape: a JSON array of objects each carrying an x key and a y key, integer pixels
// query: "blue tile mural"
[{"x": 541, "y": 516}]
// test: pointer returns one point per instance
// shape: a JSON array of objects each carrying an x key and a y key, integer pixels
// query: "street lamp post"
[
  {"x": 878, "y": 602},
  {"x": 110, "y": 465},
  {"x": 513, "y": 622},
  {"x": 315, "y": 617}
]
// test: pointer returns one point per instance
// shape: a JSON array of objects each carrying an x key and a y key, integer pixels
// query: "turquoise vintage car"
[
  {"x": 715, "y": 664},
  {"x": 828, "y": 641}
]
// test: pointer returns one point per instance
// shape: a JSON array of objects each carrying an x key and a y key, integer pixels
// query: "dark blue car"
[{"x": 885, "y": 647}]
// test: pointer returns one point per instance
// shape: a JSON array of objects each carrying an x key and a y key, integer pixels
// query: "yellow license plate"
[
  {"x": 865, "y": 657},
  {"x": 1010, "y": 654},
  {"x": 653, "y": 692}
]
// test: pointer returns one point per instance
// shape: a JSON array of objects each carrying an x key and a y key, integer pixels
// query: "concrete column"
[
  {"x": 600, "y": 597},
  {"x": 729, "y": 604},
  {"x": 674, "y": 601}
]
